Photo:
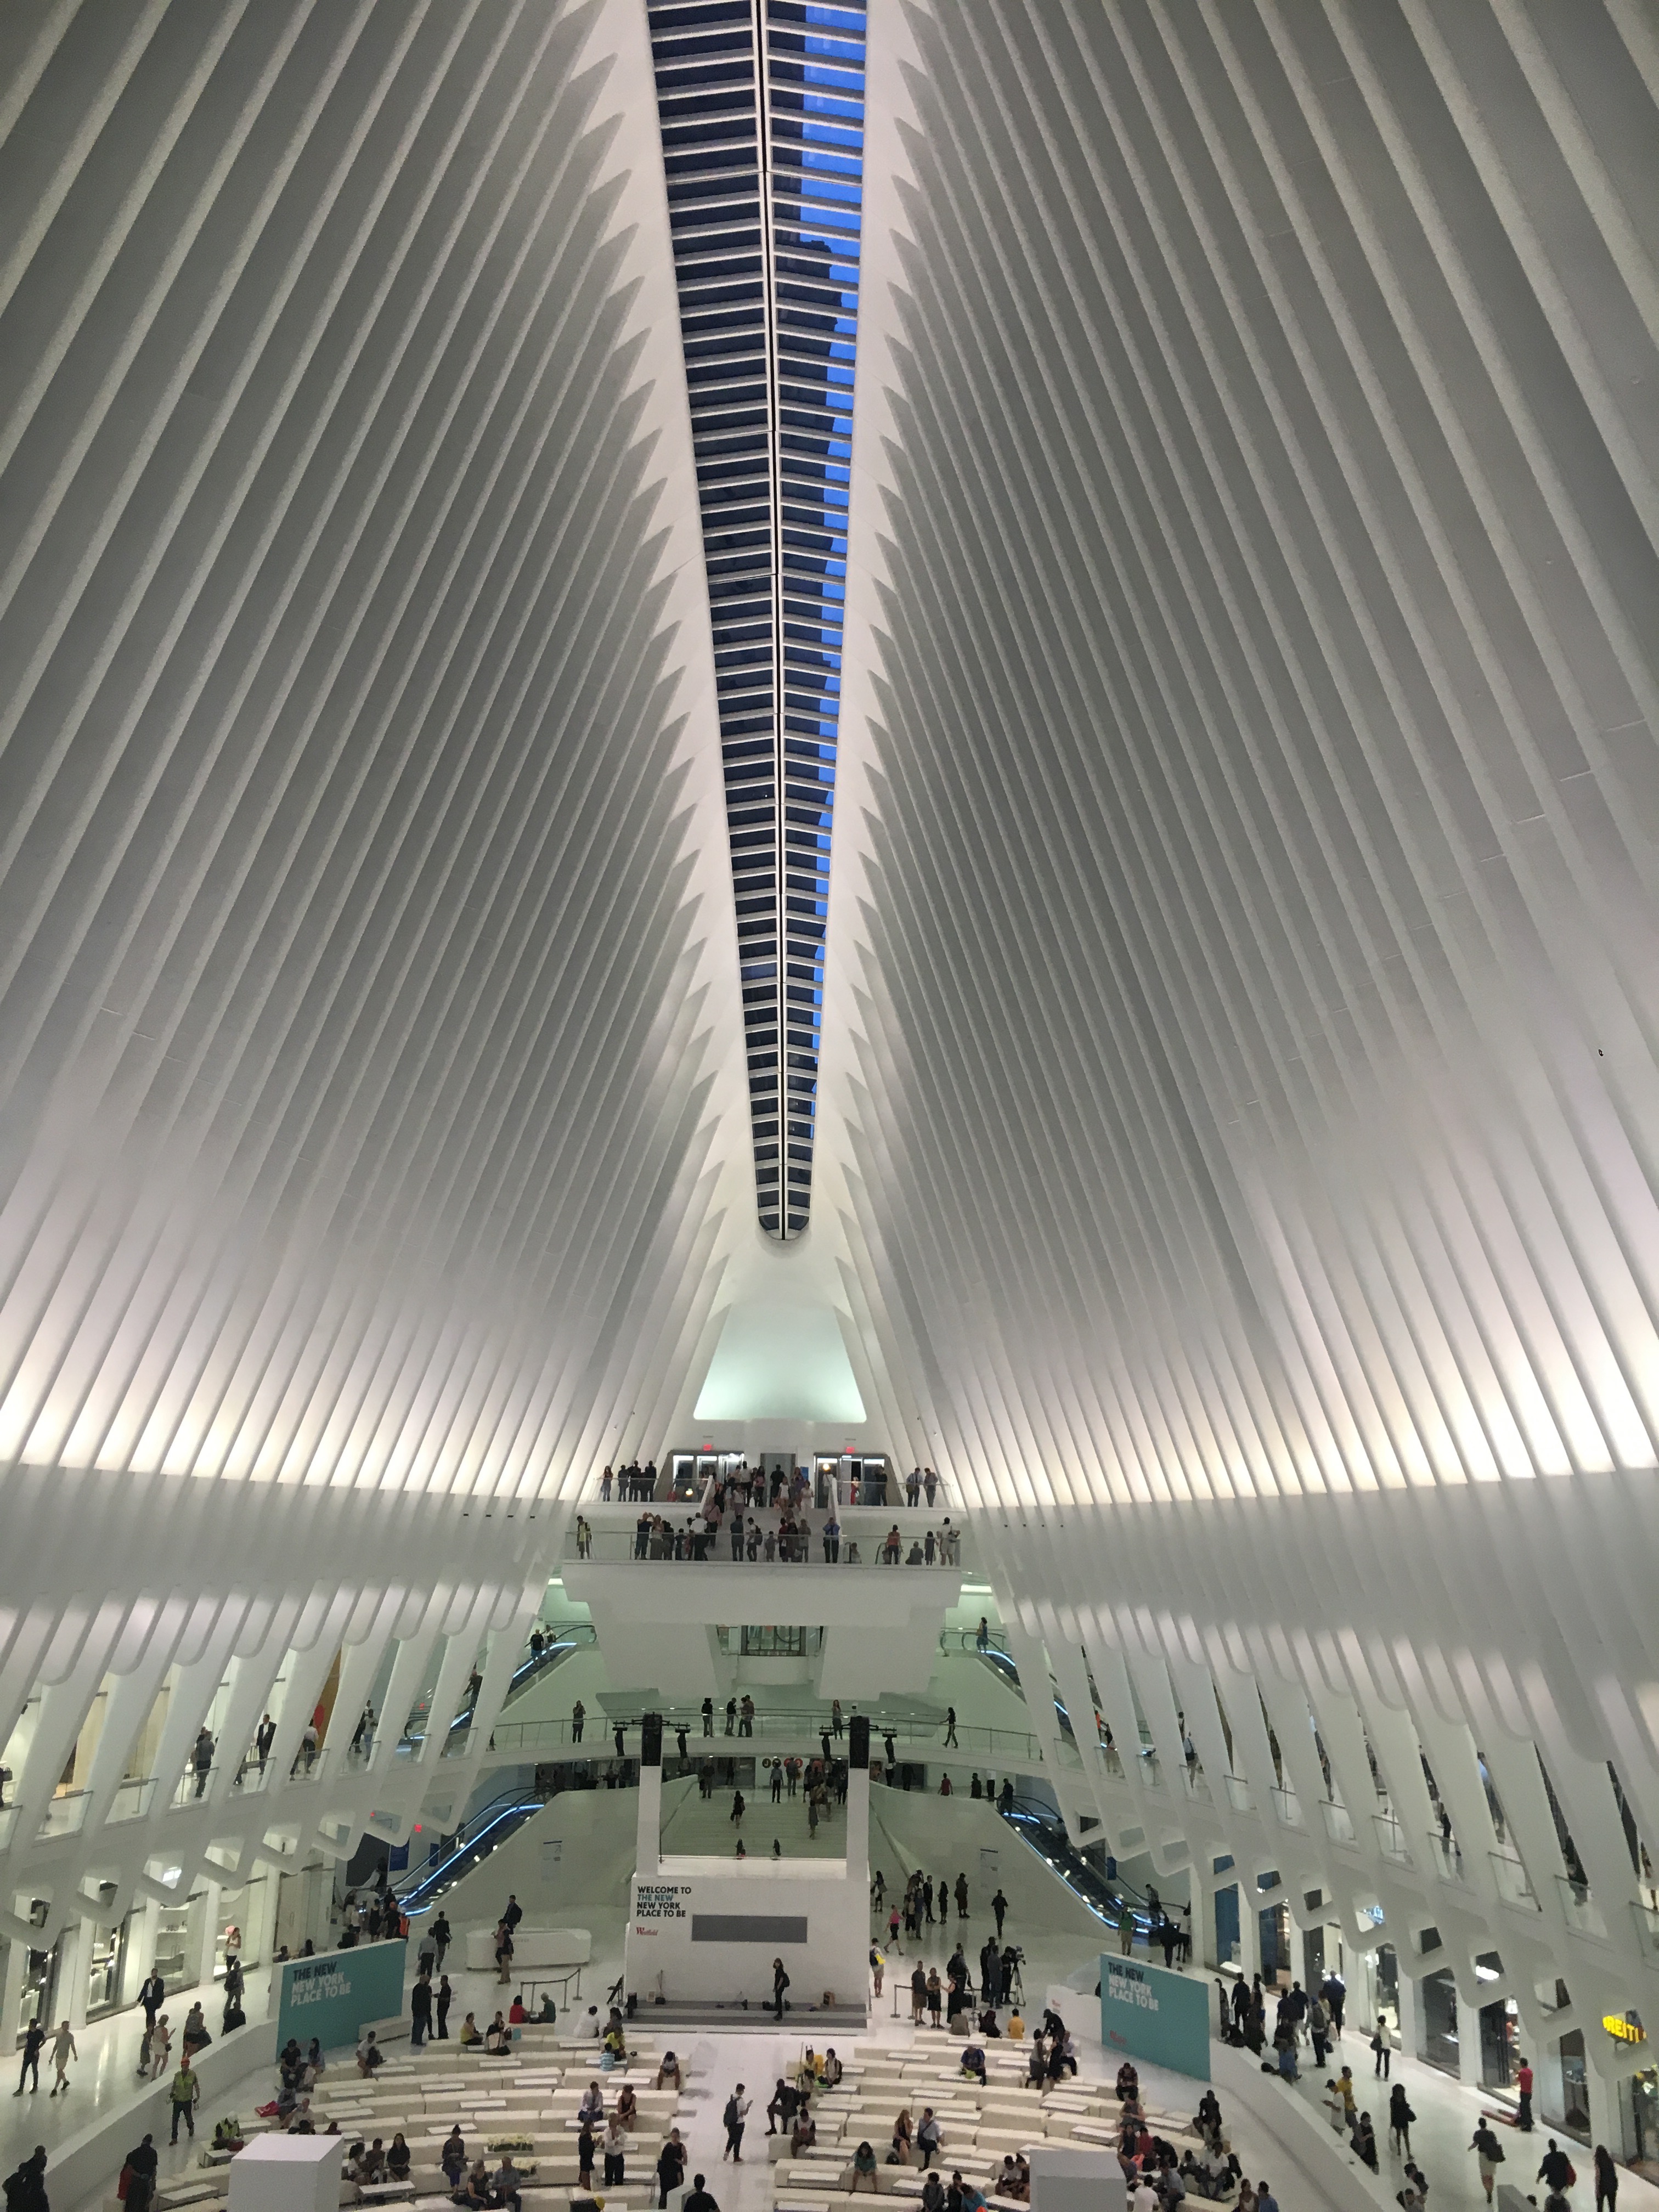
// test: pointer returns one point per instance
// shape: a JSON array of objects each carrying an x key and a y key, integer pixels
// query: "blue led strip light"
[{"x": 762, "y": 106}]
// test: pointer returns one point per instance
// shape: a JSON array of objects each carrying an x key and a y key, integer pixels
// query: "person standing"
[
  {"x": 34, "y": 2036},
  {"x": 779, "y": 1983},
  {"x": 700, "y": 2200},
  {"x": 1401, "y": 2116},
  {"x": 737, "y": 2111},
  {"x": 442, "y": 2008},
  {"x": 1383, "y": 2046},
  {"x": 420, "y": 2008},
  {"x": 26, "y": 2190},
  {"x": 578, "y": 1715},
  {"x": 184, "y": 2096},
  {"x": 63, "y": 2049},
  {"x": 708, "y": 1716},
  {"x": 202, "y": 1758},
  {"x": 962, "y": 1882},
  {"x": 1523, "y": 2090},
  {"x": 264, "y": 1736}
]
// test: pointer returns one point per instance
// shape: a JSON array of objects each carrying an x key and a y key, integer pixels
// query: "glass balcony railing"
[
  {"x": 66, "y": 1815},
  {"x": 1240, "y": 1796},
  {"x": 1339, "y": 1821},
  {"x": 1288, "y": 1806},
  {"x": 1579, "y": 1908},
  {"x": 1391, "y": 1839},
  {"x": 1446, "y": 1859},
  {"x": 1196, "y": 1787},
  {"x": 1514, "y": 1883},
  {"x": 133, "y": 1797}
]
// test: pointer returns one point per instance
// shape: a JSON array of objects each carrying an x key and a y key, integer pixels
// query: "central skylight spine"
[{"x": 762, "y": 109}]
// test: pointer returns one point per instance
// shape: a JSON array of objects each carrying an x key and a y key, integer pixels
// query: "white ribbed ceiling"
[
  {"x": 1239, "y": 1032},
  {"x": 1252, "y": 1087}
]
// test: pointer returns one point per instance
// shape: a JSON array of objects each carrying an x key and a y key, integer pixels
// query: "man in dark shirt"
[
  {"x": 1557, "y": 2168},
  {"x": 34, "y": 2036},
  {"x": 700, "y": 2200}
]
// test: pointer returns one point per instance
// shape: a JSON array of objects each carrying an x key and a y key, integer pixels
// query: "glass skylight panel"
[{"x": 762, "y": 109}]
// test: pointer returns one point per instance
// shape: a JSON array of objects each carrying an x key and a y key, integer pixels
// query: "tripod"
[{"x": 1016, "y": 1986}]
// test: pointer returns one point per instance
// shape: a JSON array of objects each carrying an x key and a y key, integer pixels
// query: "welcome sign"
[
  {"x": 332, "y": 1996},
  {"x": 1150, "y": 2012}
]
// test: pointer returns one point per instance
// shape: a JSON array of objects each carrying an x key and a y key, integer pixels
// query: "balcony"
[
  {"x": 1197, "y": 1788},
  {"x": 1446, "y": 1859},
  {"x": 133, "y": 1797},
  {"x": 1240, "y": 1796},
  {"x": 1339, "y": 1821},
  {"x": 1514, "y": 1884},
  {"x": 66, "y": 1814},
  {"x": 1391, "y": 1839},
  {"x": 1288, "y": 1806},
  {"x": 863, "y": 1544},
  {"x": 1579, "y": 1909}
]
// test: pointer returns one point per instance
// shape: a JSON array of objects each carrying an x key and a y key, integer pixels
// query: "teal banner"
[
  {"x": 1151, "y": 2012},
  {"x": 332, "y": 1997}
]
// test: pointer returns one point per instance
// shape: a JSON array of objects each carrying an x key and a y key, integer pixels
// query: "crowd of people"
[{"x": 773, "y": 1533}]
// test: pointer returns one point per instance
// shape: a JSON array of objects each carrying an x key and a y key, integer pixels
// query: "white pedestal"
[
  {"x": 288, "y": 2174},
  {"x": 1066, "y": 2180}
]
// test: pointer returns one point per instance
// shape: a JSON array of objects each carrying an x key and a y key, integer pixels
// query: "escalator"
[
  {"x": 492, "y": 1824},
  {"x": 1108, "y": 1897}
]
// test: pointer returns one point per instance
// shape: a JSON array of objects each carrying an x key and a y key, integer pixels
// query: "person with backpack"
[{"x": 735, "y": 2112}]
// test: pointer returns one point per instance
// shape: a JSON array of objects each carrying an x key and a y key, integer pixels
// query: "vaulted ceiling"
[{"x": 1227, "y": 1059}]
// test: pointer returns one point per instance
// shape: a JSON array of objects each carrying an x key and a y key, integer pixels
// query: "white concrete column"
[
  {"x": 1249, "y": 1926},
  {"x": 1469, "y": 2043},
  {"x": 141, "y": 1948},
  {"x": 200, "y": 1968},
  {"x": 11, "y": 1989},
  {"x": 1411, "y": 2031},
  {"x": 319, "y": 1904},
  {"x": 1607, "y": 2111},
  {"x": 1201, "y": 1899},
  {"x": 647, "y": 1845},
  {"x": 858, "y": 1824},
  {"x": 74, "y": 1966}
]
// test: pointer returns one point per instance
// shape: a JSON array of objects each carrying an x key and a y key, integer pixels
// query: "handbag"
[{"x": 124, "y": 2177}]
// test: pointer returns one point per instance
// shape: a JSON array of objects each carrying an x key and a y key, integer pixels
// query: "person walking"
[
  {"x": 140, "y": 2165},
  {"x": 1383, "y": 2046},
  {"x": 671, "y": 2168},
  {"x": 264, "y": 1736},
  {"x": 34, "y": 2036},
  {"x": 999, "y": 1906},
  {"x": 736, "y": 2113},
  {"x": 699, "y": 2199},
  {"x": 1607, "y": 2178},
  {"x": 184, "y": 2097},
  {"x": 63, "y": 2049},
  {"x": 949, "y": 1726},
  {"x": 442, "y": 1936},
  {"x": 26, "y": 2190},
  {"x": 708, "y": 1716},
  {"x": 779, "y": 1983},
  {"x": 1489, "y": 2154}
]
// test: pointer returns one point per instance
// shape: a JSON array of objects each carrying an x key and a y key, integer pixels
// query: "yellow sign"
[{"x": 1624, "y": 2031}]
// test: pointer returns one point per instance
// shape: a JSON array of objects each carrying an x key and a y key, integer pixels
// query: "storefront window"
[
  {"x": 1439, "y": 2006},
  {"x": 37, "y": 1999},
  {"x": 1575, "y": 2090}
]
